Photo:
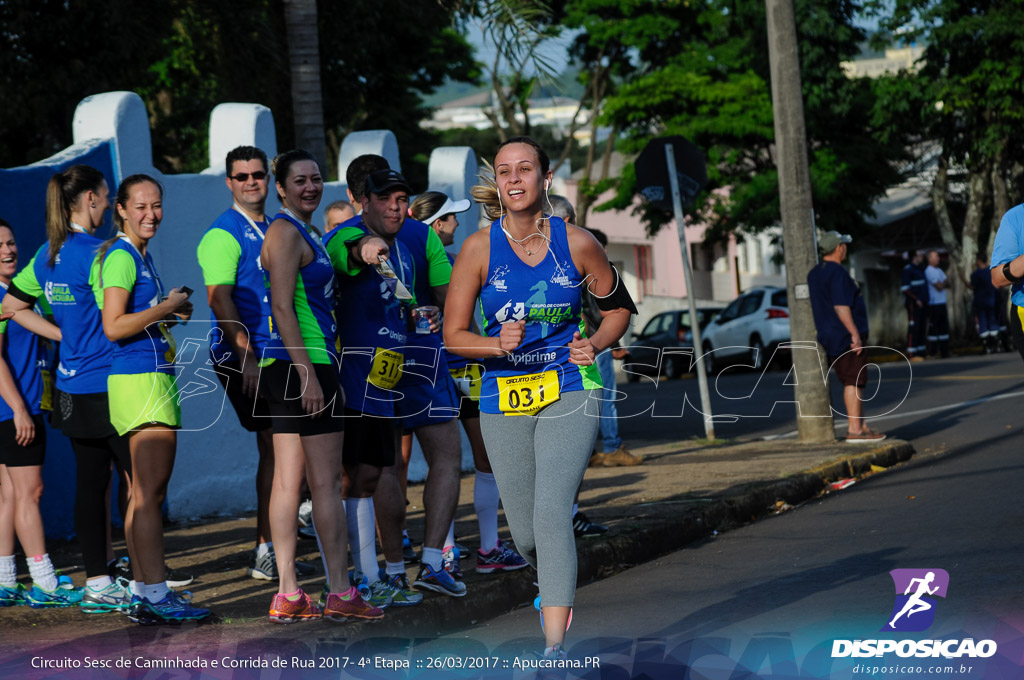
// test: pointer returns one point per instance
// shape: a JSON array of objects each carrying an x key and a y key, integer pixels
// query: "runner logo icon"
[{"x": 914, "y": 608}]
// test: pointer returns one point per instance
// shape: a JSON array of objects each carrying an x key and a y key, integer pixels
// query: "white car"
[{"x": 748, "y": 331}]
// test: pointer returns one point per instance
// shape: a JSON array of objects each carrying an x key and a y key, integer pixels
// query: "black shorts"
[
  {"x": 82, "y": 416},
  {"x": 469, "y": 408},
  {"x": 13, "y": 454},
  {"x": 253, "y": 412},
  {"x": 280, "y": 384},
  {"x": 371, "y": 440},
  {"x": 849, "y": 369}
]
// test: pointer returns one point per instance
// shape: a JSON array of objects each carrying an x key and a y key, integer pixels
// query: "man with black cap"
[{"x": 841, "y": 319}]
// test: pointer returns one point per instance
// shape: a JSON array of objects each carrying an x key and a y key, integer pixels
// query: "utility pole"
[{"x": 814, "y": 410}]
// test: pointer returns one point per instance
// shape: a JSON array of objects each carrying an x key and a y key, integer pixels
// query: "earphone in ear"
[{"x": 547, "y": 183}]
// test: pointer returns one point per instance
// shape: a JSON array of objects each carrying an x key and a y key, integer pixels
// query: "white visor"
[{"x": 449, "y": 208}]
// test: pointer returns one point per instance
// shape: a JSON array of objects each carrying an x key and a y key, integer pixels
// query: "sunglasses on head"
[{"x": 244, "y": 176}]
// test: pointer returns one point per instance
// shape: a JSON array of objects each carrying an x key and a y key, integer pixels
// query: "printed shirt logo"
[
  {"x": 560, "y": 276},
  {"x": 498, "y": 278},
  {"x": 914, "y": 608},
  {"x": 532, "y": 358},
  {"x": 518, "y": 312}
]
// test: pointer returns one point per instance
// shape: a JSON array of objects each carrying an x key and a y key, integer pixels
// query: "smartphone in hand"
[{"x": 186, "y": 290}]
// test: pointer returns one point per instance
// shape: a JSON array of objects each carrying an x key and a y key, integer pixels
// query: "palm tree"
[{"x": 304, "y": 63}]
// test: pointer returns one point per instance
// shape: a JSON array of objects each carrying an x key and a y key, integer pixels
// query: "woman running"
[
  {"x": 22, "y": 450},
  {"x": 66, "y": 270},
  {"x": 528, "y": 270},
  {"x": 142, "y": 389},
  {"x": 308, "y": 434},
  {"x": 439, "y": 212}
]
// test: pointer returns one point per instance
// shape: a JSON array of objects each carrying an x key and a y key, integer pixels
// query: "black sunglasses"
[{"x": 244, "y": 176}]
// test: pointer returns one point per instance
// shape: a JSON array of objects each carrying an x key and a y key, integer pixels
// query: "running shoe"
[
  {"x": 285, "y": 610},
  {"x": 121, "y": 569},
  {"x": 350, "y": 605},
  {"x": 176, "y": 578},
  {"x": 137, "y": 611},
  {"x": 173, "y": 607},
  {"x": 112, "y": 598},
  {"x": 306, "y": 513},
  {"x": 403, "y": 594},
  {"x": 307, "y": 532},
  {"x": 264, "y": 568},
  {"x": 12, "y": 596},
  {"x": 450, "y": 559},
  {"x": 64, "y": 595},
  {"x": 584, "y": 528},
  {"x": 463, "y": 550},
  {"x": 501, "y": 558},
  {"x": 438, "y": 581},
  {"x": 381, "y": 594},
  {"x": 408, "y": 554}
]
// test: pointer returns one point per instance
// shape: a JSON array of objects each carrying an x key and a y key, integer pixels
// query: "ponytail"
[
  {"x": 486, "y": 192},
  {"x": 62, "y": 192}
]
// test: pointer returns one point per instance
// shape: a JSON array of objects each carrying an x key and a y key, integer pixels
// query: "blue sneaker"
[
  {"x": 450, "y": 560},
  {"x": 408, "y": 554},
  {"x": 64, "y": 595},
  {"x": 438, "y": 581},
  {"x": 12, "y": 596},
  {"x": 402, "y": 593},
  {"x": 501, "y": 558},
  {"x": 173, "y": 607}
]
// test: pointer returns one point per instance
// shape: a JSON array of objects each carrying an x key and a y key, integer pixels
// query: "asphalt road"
[{"x": 770, "y": 598}]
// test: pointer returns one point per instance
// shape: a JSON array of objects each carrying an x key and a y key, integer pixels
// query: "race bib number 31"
[
  {"x": 525, "y": 395},
  {"x": 386, "y": 369}
]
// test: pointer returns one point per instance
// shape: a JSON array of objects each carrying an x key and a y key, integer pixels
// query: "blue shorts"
[{"x": 425, "y": 401}]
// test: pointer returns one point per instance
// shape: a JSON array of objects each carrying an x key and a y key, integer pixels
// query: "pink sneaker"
[{"x": 350, "y": 605}]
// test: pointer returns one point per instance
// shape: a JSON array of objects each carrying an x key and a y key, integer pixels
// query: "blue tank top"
[
  {"x": 372, "y": 335},
  {"x": 85, "y": 353},
  {"x": 152, "y": 350},
  {"x": 548, "y": 297},
  {"x": 314, "y": 304},
  {"x": 24, "y": 355},
  {"x": 250, "y": 292}
]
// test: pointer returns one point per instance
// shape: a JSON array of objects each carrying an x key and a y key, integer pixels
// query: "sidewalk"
[{"x": 684, "y": 492}]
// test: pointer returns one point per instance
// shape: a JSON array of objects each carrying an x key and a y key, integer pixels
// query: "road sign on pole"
[{"x": 662, "y": 184}]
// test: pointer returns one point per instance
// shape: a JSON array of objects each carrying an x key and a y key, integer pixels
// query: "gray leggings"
[{"x": 538, "y": 462}]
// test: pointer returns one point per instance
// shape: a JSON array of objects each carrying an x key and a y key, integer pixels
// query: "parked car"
[
  {"x": 748, "y": 331},
  {"x": 668, "y": 330}
]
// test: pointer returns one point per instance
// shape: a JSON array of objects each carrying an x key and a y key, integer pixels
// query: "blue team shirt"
[
  {"x": 832, "y": 286},
  {"x": 85, "y": 352},
  {"x": 548, "y": 297},
  {"x": 149, "y": 351},
  {"x": 250, "y": 292},
  {"x": 25, "y": 357},
  {"x": 1009, "y": 244},
  {"x": 371, "y": 321}
]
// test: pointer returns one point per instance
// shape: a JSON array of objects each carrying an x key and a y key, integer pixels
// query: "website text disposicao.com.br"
[{"x": 904, "y": 670}]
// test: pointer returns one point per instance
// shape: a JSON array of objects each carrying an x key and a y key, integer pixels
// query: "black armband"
[
  {"x": 21, "y": 295},
  {"x": 618, "y": 298},
  {"x": 1010, "y": 277}
]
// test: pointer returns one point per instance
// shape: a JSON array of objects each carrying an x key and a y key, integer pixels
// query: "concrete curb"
[{"x": 602, "y": 557}]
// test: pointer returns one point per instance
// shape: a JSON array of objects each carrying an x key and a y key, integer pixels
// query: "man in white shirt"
[{"x": 938, "y": 318}]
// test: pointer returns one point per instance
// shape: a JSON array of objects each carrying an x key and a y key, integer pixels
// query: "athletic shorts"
[
  {"x": 253, "y": 412},
  {"x": 469, "y": 408},
  {"x": 426, "y": 403},
  {"x": 849, "y": 369},
  {"x": 140, "y": 400},
  {"x": 13, "y": 454},
  {"x": 371, "y": 440},
  {"x": 280, "y": 384},
  {"x": 82, "y": 416},
  {"x": 1016, "y": 324}
]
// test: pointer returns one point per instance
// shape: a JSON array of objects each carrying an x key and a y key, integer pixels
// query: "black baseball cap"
[{"x": 382, "y": 181}]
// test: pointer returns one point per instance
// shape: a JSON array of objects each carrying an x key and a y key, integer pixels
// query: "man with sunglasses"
[{"x": 229, "y": 255}]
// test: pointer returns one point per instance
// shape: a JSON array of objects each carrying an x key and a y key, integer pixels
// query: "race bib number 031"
[
  {"x": 525, "y": 395},
  {"x": 386, "y": 369}
]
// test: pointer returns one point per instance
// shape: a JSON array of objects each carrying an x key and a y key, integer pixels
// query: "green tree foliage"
[
  {"x": 700, "y": 70},
  {"x": 967, "y": 101},
  {"x": 186, "y": 56}
]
